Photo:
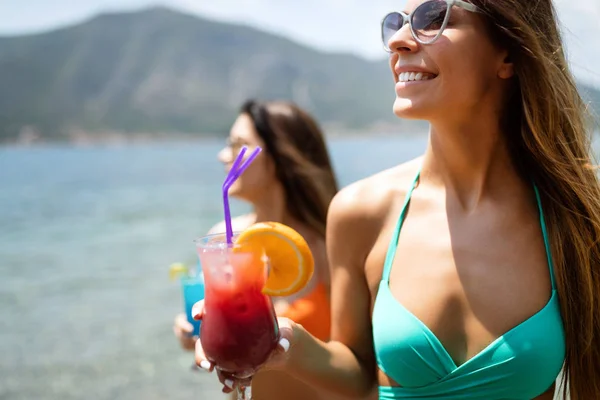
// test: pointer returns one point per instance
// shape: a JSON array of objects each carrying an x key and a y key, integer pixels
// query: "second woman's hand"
[
  {"x": 277, "y": 359},
  {"x": 183, "y": 331}
]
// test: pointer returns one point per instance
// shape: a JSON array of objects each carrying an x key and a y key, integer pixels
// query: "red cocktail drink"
[{"x": 239, "y": 327}]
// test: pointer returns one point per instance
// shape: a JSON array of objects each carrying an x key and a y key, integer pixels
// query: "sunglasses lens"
[
  {"x": 391, "y": 24},
  {"x": 428, "y": 19}
]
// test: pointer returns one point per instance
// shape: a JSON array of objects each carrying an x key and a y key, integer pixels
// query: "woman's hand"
[
  {"x": 183, "y": 330},
  {"x": 278, "y": 358}
]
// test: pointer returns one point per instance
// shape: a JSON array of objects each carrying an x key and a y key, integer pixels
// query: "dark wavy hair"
[{"x": 296, "y": 144}]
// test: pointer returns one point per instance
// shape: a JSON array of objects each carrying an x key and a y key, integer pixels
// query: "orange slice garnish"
[{"x": 291, "y": 264}]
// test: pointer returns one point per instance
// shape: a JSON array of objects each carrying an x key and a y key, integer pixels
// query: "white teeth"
[{"x": 414, "y": 76}]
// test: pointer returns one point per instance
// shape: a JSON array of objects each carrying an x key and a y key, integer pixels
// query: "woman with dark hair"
[
  {"x": 472, "y": 272},
  {"x": 291, "y": 182}
]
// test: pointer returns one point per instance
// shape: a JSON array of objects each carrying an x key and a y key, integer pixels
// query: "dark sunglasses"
[{"x": 426, "y": 22}]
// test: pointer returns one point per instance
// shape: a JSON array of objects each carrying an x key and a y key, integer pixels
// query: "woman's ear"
[{"x": 507, "y": 68}]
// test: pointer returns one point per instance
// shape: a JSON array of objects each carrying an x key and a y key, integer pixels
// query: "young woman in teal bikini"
[{"x": 472, "y": 272}]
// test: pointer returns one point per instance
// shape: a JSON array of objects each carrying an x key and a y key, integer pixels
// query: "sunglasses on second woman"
[{"x": 426, "y": 22}]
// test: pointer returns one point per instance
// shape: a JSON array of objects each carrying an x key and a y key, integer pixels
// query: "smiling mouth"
[{"x": 415, "y": 76}]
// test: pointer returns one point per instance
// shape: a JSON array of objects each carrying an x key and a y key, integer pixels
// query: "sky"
[{"x": 332, "y": 25}]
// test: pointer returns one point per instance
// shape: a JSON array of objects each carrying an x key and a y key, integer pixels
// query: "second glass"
[{"x": 192, "y": 288}]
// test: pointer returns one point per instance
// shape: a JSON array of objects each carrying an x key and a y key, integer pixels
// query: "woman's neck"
[
  {"x": 272, "y": 207},
  {"x": 469, "y": 162}
]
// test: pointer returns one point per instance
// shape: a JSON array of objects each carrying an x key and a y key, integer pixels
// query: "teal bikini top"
[{"x": 521, "y": 364}]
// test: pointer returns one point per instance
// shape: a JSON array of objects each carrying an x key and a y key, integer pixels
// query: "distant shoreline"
[
  {"x": 126, "y": 139},
  {"x": 120, "y": 139}
]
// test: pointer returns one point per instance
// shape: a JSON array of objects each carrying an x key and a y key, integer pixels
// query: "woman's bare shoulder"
[
  {"x": 358, "y": 212},
  {"x": 372, "y": 196}
]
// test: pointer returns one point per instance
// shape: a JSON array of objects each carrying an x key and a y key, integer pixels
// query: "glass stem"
[{"x": 244, "y": 392}]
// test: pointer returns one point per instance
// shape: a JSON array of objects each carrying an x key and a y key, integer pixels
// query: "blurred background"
[{"x": 111, "y": 115}]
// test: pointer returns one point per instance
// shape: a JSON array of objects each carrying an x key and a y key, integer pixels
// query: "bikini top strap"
[
  {"x": 391, "y": 252},
  {"x": 545, "y": 235}
]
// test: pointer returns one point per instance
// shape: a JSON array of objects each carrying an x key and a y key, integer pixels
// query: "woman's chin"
[
  {"x": 407, "y": 109},
  {"x": 234, "y": 190}
]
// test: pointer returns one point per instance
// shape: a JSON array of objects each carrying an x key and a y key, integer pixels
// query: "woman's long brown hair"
[
  {"x": 546, "y": 122},
  {"x": 297, "y": 146}
]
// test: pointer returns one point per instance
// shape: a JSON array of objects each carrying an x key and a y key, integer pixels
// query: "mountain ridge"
[{"x": 159, "y": 70}]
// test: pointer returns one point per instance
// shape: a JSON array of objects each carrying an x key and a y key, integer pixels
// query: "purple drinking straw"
[
  {"x": 226, "y": 185},
  {"x": 236, "y": 164},
  {"x": 232, "y": 176}
]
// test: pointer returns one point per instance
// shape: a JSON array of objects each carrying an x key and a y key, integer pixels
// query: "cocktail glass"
[{"x": 239, "y": 327}]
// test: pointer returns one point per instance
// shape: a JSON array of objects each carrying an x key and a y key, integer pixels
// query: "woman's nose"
[
  {"x": 403, "y": 41},
  {"x": 225, "y": 155}
]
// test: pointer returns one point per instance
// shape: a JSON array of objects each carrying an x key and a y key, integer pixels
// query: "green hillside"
[{"x": 159, "y": 70}]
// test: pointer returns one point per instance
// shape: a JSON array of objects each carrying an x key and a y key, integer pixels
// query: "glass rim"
[{"x": 209, "y": 241}]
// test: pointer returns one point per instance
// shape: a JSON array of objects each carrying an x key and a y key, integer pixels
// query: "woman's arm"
[{"x": 346, "y": 364}]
